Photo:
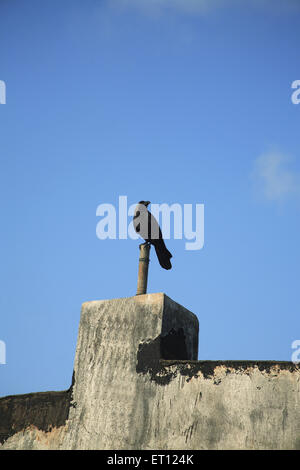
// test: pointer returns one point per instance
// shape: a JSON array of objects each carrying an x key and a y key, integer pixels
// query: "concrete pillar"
[{"x": 120, "y": 343}]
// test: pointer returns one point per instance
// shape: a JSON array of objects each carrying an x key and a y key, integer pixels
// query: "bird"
[{"x": 146, "y": 225}]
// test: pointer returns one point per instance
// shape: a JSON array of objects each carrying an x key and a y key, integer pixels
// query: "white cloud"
[{"x": 274, "y": 177}]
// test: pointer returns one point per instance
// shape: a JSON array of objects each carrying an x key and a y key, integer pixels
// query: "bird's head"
[{"x": 145, "y": 203}]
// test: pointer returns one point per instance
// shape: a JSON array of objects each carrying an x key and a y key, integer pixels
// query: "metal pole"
[{"x": 143, "y": 269}]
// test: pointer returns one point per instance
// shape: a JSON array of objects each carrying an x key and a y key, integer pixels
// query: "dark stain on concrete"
[
  {"x": 284, "y": 417},
  {"x": 44, "y": 410},
  {"x": 168, "y": 347},
  {"x": 216, "y": 425},
  {"x": 189, "y": 431},
  {"x": 173, "y": 345},
  {"x": 148, "y": 360},
  {"x": 207, "y": 368},
  {"x": 257, "y": 416},
  {"x": 163, "y": 370}
]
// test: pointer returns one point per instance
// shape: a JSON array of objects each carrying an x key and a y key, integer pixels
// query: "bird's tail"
[{"x": 163, "y": 254}]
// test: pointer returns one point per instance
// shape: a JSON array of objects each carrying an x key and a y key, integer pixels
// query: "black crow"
[{"x": 148, "y": 228}]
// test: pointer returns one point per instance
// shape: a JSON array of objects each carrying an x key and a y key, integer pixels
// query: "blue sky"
[{"x": 196, "y": 96}]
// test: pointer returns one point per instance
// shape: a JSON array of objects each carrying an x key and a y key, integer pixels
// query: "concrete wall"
[{"x": 137, "y": 385}]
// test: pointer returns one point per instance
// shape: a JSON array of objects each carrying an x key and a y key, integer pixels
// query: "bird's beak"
[{"x": 147, "y": 203}]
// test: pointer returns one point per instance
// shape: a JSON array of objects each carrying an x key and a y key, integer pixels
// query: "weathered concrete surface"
[
  {"x": 137, "y": 385},
  {"x": 229, "y": 405},
  {"x": 111, "y": 335},
  {"x": 44, "y": 411}
]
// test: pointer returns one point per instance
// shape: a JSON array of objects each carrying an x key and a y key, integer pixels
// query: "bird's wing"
[
  {"x": 136, "y": 223},
  {"x": 141, "y": 221},
  {"x": 154, "y": 228}
]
